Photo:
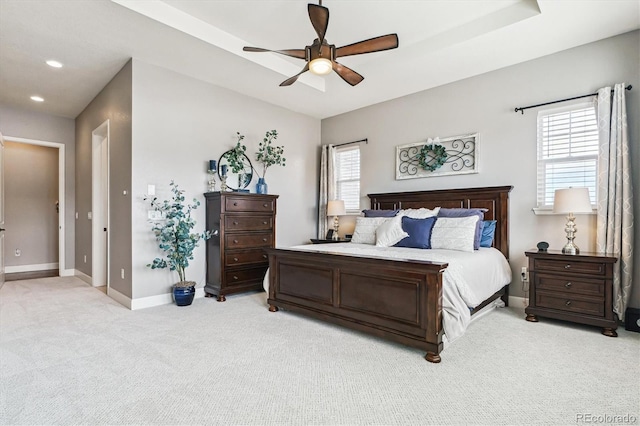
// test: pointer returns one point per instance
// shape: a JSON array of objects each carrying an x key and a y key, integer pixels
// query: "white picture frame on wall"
[{"x": 462, "y": 156}]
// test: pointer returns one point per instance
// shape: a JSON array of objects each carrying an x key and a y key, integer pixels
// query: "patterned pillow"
[
  {"x": 421, "y": 213},
  {"x": 365, "y": 231},
  {"x": 445, "y": 212},
  {"x": 454, "y": 233}
]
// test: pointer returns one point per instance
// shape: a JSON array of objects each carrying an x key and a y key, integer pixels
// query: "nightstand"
[
  {"x": 325, "y": 241},
  {"x": 577, "y": 288}
]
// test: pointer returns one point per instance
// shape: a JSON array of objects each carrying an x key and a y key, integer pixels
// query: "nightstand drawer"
[
  {"x": 245, "y": 275},
  {"x": 245, "y": 204},
  {"x": 238, "y": 241},
  {"x": 569, "y": 285},
  {"x": 569, "y": 303},
  {"x": 246, "y": 258},
  {"x": 570, "y": 266},
  {"x": 248, "y": 223}
]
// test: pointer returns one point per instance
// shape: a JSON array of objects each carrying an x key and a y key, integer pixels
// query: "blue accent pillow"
[
  {"x": 419, "y": 231},
  {"x": 380, "y": 213},
  {"x": 488, "y": 233},
  {"x": 461, "y": 212}
]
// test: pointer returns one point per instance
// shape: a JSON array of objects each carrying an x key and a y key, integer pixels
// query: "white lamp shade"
[
  {"x": 572, "y": 200},
  {"x": 335, "y": 208}
]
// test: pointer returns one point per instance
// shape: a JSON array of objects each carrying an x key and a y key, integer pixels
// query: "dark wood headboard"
[{"x": 495, "y": 199}]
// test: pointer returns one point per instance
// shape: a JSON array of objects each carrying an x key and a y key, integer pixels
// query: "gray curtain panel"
[
  {"x": 327, "y": 186},
  {"x": 615, "y": 192}
]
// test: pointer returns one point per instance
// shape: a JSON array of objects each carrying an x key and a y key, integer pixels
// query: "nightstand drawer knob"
[
  {"x": 235, "y": 277},
  {"x": 264, "y": 256},
  {"x": 235, "y": 203},
  {"x": 235, "y": 259},
  {"x": 567, "y": 266},
  {"x": 568, "y": 303},
  {"x": 235, "y": 241},
  {"x": 265, "y": 205},
  {"x": 265, "y": 222},
  {"x": 568, "y": 285},
  {"x": 264, "y": 239},
  {"x": 235, "y": 222}
]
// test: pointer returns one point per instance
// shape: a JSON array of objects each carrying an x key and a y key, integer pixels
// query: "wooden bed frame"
[{"x": 400, "y": 300}]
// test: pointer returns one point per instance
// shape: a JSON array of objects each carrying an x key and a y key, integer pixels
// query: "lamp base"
[{"x": 570, "y": 248}]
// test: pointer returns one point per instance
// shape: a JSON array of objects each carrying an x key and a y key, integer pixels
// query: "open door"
[{"x": 1, "y": 211}]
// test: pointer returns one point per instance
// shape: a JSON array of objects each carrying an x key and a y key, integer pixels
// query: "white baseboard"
[
  {"x": 146, "y": 302},
  {"x": 84, "y": 277},
  {"x": 518, "y": 302},
  {"x": 67, "y": 272},
  {"x": 30, "y": 268}
]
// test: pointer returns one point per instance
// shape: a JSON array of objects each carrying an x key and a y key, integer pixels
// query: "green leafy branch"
[{"x": 268, "y": 154}]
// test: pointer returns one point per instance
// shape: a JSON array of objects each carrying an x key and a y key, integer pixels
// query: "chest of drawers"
[
  {"x": 575, "y": 288},
  {"x": 243, "y": 225}
]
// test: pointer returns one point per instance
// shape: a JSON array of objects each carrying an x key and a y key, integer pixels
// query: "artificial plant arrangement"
[
  {"x": 174, "y": 233},
  {"x": 269, "y": 155},
  {"x": 235, "y": 156}
]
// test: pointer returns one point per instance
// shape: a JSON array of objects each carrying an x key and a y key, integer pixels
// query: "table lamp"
[
  {"x": 335, "y": 208},
  {"x": 572, "y": 201}
]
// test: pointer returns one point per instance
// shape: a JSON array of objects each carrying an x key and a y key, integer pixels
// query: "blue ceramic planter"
[
  {"x": 183, "y": 296},
  {"x": 261, "y": 186}
]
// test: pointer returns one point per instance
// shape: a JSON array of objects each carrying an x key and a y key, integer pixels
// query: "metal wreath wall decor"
[{"x": 438, "y": 157}]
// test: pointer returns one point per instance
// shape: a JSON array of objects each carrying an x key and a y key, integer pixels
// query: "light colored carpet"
[{"x": 71, "y": 355}]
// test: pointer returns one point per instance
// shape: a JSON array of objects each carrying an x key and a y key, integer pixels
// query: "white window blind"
[
  {"x": 348, "y": 176},
  {"x": 567, "y": 151}
]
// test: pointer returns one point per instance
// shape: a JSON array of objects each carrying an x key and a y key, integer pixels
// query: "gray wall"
[
  {"x": 113, "y": 103},
  {"x": 507, "y": 150},
  {"x": 31, "y": 193},
  {"x": 180, "y": 123},
  {"x": 18, "y": 123}
]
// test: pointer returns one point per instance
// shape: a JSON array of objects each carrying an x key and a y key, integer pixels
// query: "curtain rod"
[
  {"x": 521, "y": 109},
  {"x": 349, "y": 143}
]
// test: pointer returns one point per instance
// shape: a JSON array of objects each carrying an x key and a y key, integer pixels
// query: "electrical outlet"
[
  {"x": 18, "y": 252},
  {"x": 524, "y": 274}
]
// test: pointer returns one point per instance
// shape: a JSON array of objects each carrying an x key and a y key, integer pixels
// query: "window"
[
  {"x": 567, "y": 151},
  {"x": 348, "y": 177}
]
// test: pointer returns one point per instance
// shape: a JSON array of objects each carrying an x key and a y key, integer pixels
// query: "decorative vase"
[
  {"x": 261, "y": 186},
  {"x": 184, "y": 292}
]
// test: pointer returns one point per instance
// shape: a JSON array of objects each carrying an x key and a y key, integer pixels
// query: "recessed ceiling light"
[
  {"x": 37, "y": 99},
  {"x": 54, "y": 64}
]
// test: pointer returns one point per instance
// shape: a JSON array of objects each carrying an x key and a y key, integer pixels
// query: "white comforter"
[{"x": 469, "y": 279}]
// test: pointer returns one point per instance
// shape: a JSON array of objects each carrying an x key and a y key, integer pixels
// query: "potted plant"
[
  {"x": 177, "y": 241},
  {"x": 268, "y": 155}
]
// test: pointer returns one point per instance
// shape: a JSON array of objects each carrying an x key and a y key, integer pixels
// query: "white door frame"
[
  {"x": 1, "y": 210},
  {"x": 100, "y": 242},
  {"x": 62, "y": 271}
]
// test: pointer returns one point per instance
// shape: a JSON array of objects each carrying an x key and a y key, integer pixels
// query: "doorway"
[
  {"x": 100, "y": 206},
  {"x": 57, "y": 208}
]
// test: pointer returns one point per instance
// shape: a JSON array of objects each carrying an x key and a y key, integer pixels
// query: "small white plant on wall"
[{"x": 454, "y": 155}]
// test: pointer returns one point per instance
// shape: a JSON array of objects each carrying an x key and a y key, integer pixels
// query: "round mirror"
[{"x": 237, "y": 168}]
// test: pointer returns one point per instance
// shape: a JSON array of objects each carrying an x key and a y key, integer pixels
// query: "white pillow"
[
  {"x": 390, "y": 232},
  {"x": 365, "y": 231},
  {"x": 454, "y": 233},
  {"x": 421, "y": 213}
]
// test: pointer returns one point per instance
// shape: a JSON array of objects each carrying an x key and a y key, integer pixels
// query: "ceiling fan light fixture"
[{"x": 320, "y": 66}]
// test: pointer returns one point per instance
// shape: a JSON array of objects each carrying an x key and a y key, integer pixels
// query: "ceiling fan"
[{"x": 321, "y": 56}]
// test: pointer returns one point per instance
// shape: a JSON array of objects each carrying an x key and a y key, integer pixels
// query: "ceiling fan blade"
[
  {"x": 291, "y": 80},
  {"x": 295, "y": 53},
  {"x": 319, "y": 16},
  {"x": 347, "y": 74},
  {"x": 377, "y": 44}
]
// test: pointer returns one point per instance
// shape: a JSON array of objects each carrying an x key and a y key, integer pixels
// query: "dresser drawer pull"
[
  {"x": 265, "y": 205},
  {"x": 235, "y": 241},
  {"x": 567, "y": 266},
  {"x": 235, "y": 203},
  {"x": 568, "y": 285},
  {"x": 264, "y": 222},
  {"x": 235, "y": 278},
  {"x": 235, "y": 259},
  {"x": 568, "y": 303},
  {"x": 264, "y": 256},
  {"x": 264, "y": 239},
  {"x": 235, "y": 222}
]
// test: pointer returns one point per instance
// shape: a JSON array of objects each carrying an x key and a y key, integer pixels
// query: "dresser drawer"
[
  {"x": 245, "y": 275},
  {"x": 572, "y": 266},
  {"x": 248, "y": 223},
  {"x": 242, "y": 204},
  {"x": 246, "y": 258},
  {"x": 569, "y": 303},
  {"x": 570, "y": 285},
  {"x": 238, "y": 241}
]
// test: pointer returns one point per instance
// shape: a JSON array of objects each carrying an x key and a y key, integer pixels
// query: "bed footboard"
[{"x": 397, "y": 300}]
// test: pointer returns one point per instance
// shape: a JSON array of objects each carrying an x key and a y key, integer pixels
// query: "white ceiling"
[{"x": 441, "y": 41}]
